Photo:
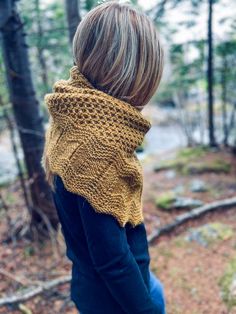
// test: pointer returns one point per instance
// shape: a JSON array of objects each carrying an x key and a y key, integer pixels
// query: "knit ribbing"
[{"x": 91, "y": 143}]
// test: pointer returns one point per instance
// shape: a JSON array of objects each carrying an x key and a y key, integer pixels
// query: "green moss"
[
  {"x": 192, "y": 152},
  {"x": 220, "y": 165},
  {"x": 184, "y": 156},
  {"x": 188, "y": 162},
  {"x": 165, "y": 200},
  {"x": 225, "y": 283},
  {"x": 223, "y": 232},
  {"x": 170, "y": 164},
  {"x": 209, "y": 234},
  {"x": 217, "y": 166}
]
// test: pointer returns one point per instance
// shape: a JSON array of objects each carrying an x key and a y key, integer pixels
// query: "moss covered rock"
[
  {"x": 217, "y": 166},
  {"x": 170, "y": 200},
  {"x": 207, "y": 234},
  {"x": 227, "y": 285},
  {"x": 188, "y": 161},
  {"x": 165, "y": 201}
]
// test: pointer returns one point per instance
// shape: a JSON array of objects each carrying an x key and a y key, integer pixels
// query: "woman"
[{"x": 90, "y": 161}]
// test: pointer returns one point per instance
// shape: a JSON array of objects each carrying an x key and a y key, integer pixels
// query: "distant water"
[
  {"x": 8, "y": 169},
  {"x": 160, "y": 139}
]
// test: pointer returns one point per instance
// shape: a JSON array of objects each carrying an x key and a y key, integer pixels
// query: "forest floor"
[{"x": 196, "y": 275}]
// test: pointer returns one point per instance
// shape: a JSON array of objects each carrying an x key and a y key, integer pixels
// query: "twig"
[
  {"x": 22, "y": 281},
  {"x": 51, "y": 231},
  {"x": 33, "y": 291},
  {"x": 194, "y": 213}
]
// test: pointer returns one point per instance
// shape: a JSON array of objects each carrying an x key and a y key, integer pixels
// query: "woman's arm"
[{"x": 113, "y": 260}]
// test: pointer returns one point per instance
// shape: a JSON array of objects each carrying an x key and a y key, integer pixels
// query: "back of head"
[{"x": 117, "y": 48}]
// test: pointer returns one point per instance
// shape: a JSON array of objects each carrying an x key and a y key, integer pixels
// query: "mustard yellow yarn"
[{"x": 91, "y": 143}]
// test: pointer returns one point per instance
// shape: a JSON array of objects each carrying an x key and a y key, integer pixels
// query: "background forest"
[{"x": 188, "y": 156}]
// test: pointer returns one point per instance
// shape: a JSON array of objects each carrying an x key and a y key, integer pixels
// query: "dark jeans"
[{"x": 157, "y": 293}]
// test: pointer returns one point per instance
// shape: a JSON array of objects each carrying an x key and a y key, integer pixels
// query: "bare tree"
[
  {"x": 40, "y": 48},
  {"x": 27, "y": 114},
  {"x": 210, "y": 76},
  {"x": 73, "y": 16}
]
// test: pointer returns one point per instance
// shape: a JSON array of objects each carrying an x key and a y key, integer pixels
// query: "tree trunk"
[
  {"x": 211, "y": 127},
  {"x": 73, "y": 17},
  {"x": 27, "y": 114},
  {"x": 40, "y": 49},
  {"x": 224, "y": 99}
]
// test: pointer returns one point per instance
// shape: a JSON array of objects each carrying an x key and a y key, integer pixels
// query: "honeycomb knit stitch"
[{"x": 90, "y": 143}]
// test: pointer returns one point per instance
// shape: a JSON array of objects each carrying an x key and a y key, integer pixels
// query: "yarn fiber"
[{"x": 90, "y": 143}]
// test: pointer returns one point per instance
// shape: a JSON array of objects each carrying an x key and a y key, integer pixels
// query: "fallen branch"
[
  {"x": 33, "y": 291},
  {"x": 192, "y": 214},
  {"x": 22, "y": 281}
]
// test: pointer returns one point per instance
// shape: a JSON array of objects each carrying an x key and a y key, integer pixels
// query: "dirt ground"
[{"x": 188, "y": 271}]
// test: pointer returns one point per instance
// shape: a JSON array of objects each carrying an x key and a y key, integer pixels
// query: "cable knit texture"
[{"x": 91, "y": 143}]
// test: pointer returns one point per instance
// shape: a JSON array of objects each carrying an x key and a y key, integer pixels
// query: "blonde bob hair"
[{"x": 117, "y": 48}]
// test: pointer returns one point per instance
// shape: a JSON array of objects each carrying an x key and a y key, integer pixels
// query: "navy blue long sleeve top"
[{"x": 110, "y": 263}]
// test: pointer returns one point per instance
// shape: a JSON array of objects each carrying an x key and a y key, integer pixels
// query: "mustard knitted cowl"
[{"x": 91, "y": 143}]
